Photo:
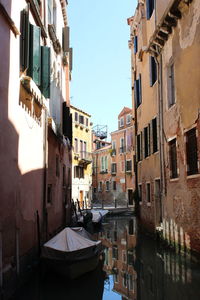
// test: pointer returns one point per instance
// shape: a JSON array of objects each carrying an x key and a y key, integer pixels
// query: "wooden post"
[
  {"x": 17, "y": 252},
  {"x": 1, "y": 263},
  {"x": 38, "y": 232}
]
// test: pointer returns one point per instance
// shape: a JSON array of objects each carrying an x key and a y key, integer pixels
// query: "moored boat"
[{"x": 72, "y": 252}]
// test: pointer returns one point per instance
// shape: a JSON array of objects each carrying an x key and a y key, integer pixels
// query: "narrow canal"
[{"x": 135, "y": 267}]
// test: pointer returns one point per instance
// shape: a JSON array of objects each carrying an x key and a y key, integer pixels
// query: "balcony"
[{"x": 85, "y": 158}]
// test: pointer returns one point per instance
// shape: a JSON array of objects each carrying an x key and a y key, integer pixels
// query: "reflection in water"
[
  {"x": 143, "y": 270},
  {"x": 135, "y": 269}
]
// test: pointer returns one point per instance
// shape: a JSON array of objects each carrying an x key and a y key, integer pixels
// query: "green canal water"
[{"x": 135, "y": 267}]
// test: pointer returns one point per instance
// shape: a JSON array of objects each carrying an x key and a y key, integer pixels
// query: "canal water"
[{"x": 135, "y": 267}]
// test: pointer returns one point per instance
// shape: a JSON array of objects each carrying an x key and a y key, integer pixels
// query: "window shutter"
[
  {"x": 149, "y": 139},
  {"x": 45, "y": 71},
  {"x": 141, "y": 146},
  {"x": 152, "y": 70},
  {"x": 135, "y": 44},
  {"x": 24, "y": 39},
  {"x": 65, "y": 40},
  {"x": 139, "y": 90},
  {"x": 148, "y": 9},
  {"x": 70, "y": 59},
  {"x": 34, "y": 70},
  {"x": 67, "y": 122}
]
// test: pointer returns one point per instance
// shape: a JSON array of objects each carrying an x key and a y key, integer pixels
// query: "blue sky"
[{"x": 101, "y": 76}]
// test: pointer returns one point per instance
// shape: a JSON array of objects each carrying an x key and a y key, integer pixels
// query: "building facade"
[
  {"x": 34, "y": 145},
  {"x": 122, "y": 168},
  {"x": 164, "y": 45},
  {"x": 113, "y": 170},
  {"x": 81, "y": 157}
]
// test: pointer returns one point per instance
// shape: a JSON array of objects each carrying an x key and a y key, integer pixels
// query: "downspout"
[
  {"x": 161, "y": 131},
  {"x": 44, "y": 213},
  {"x": 125, "y": 184}
]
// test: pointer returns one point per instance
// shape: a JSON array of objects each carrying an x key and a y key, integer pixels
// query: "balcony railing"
[{"x": 85, "y": 158}]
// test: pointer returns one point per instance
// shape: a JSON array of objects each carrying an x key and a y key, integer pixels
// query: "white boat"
[
  {"x": 98, "y": 214},
  {"x": 72, "y": 252}
]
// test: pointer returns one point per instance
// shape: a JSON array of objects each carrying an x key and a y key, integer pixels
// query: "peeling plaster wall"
[{"x": 182, "y": 208}]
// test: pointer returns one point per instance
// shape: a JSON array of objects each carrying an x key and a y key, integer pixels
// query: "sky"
[{"x": 101, "y": 75}]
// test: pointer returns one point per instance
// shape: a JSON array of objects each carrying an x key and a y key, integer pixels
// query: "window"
[
  {"x": 78, "y": 172},
  {"x": 76, "y": 145},
  {"x": 128, "y": 119},
  {"x": 121, "y": 124},
  {"x": 148, "y": 192},
  {"x": 54, "y": 15},
  {"x": 76, "y": 116},
  {"x": 122, "y": 146},
  {"x": 57, "y": 166},
  {"x": 114, "y": 186},
  {"x": 149, "y": 8},
  {"x": 50, "y": 17},
  {"x": 138, "y": 91},
  {"x": 191, "y": 152},
  {"x": 84, "y": 149},
  {"x": 135, "y": 42},
  {"x": 138, "y": 147},
  {"x": 113, "y": 145},
  {"x": 107, "y": 186},
  {"x": 114, "y": 168},
  {"x": 128, "y": 166},
  {"x": 106, "y": 163},
  {"x": 115, "y": 277},
  {"x": 173, "y": 159},
  {"x": 171, "y": 85},
  {"x": 131, "y": 227},
  {"x": 100, "y": 186},
  {"x": 154, "y": 134},
  {"x": 113, "y": 148},
  {"x": 152, "y": 70},
  {"x": 86, "y": 121},
  {"x": 125, "y": 280},
  {"x": 81, "y": 119},
  {"x": 122, "y": 166},
  {"x": 124, "y": 256},
  {"x": 146, "y": 142},
  {"x": 81, "y": 149},
  {"x": 115, "y": 252}
]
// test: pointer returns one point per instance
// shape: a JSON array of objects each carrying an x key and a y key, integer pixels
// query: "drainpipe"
[
  {"x": 45, "y": 157},
  {"x": 161, "y": 131},
  {"x": 125, "y": 162}
]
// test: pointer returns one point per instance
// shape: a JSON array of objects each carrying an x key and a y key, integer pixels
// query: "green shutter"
[
  {"x": 45, "y": 71},
  {"x": 34, "y": 70},
  {"x": 24, "y": 39}
]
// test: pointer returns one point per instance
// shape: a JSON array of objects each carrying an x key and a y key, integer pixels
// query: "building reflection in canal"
[
  {"x": 119, "y": 239},
  {"x": 135, "y": 268},
  {"x": 141, "y": 269}
]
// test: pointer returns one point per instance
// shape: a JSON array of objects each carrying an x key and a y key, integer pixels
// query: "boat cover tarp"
[
  {"x": 98, "y": 214},
  {"x": 71, "y": 244}
]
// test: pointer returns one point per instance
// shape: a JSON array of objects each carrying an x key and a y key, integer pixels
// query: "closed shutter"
[
  {"x": 34, "y": 69},
  {"x": 67, "y": 122},
  {"x": 152, "y": 70},
  {"x": 140, "y": 90},
  {"x": 149, "y": 139},
  {"x": 24, "y": 39},
  {"x": 70, "y": 59},
  {"x": 135, "y": 44},
  {"x": 141, "y": 146},
  {"x": 45, "y": 71},
  {"x": 65, "y": 40}
]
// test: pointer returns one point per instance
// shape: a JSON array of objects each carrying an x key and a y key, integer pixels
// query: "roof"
[
  {"x": 124, "y": 111},
  {"x": 78, "y": 109}
]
